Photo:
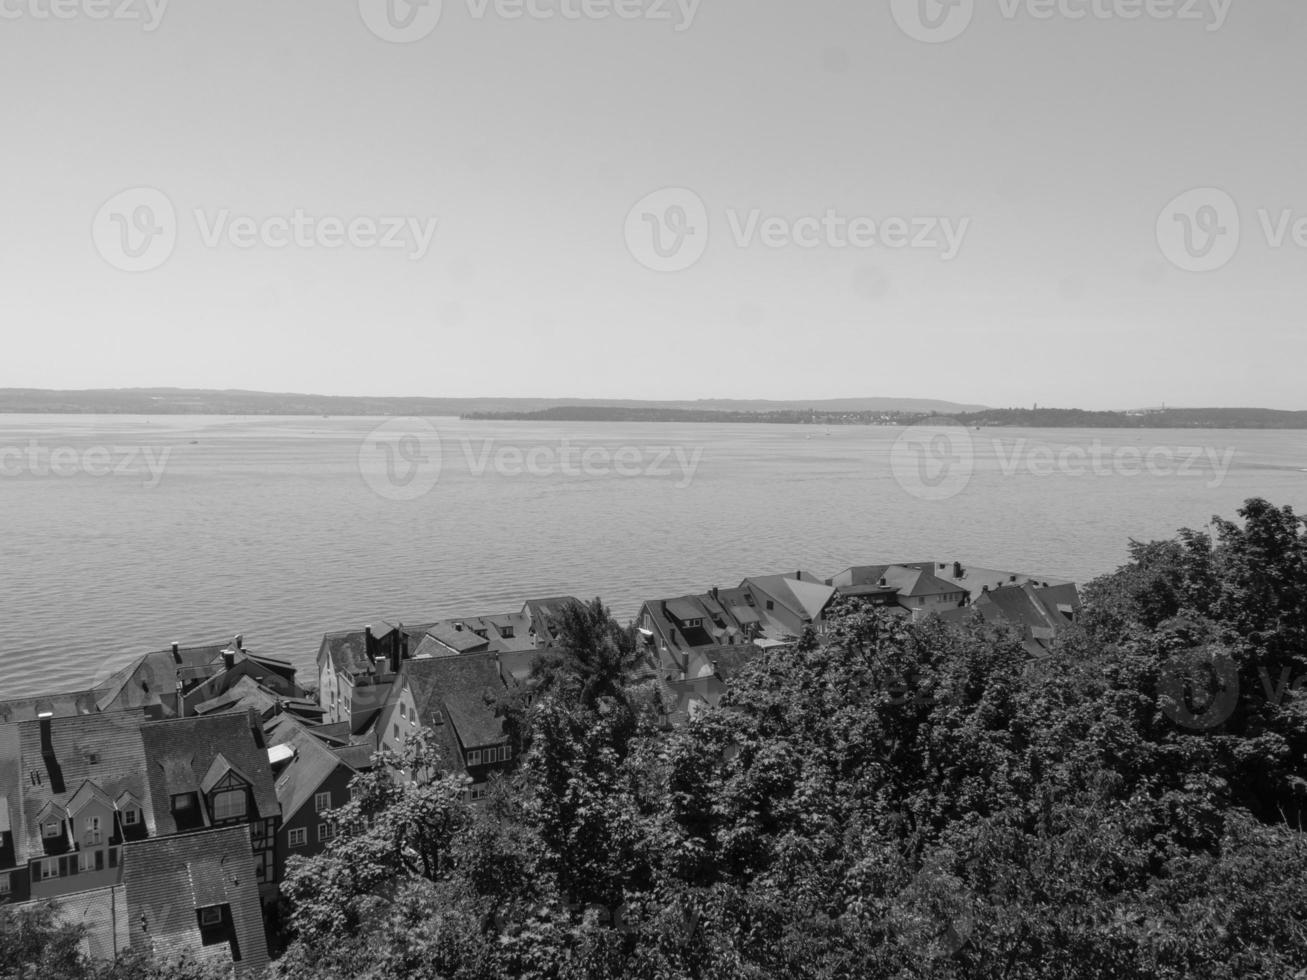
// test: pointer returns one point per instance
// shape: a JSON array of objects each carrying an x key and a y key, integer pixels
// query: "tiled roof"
[
  {"x": 806, "y": 597},
  {"x": 179, "y": 753},
  {"x": 106, "y": 749},
  {"x": 543, "y": 612},
  {"x": 169, "y": 878},
  {"x": 103, "y": 912},
  {"x": 305, "y": 772},
  {"x": 464, "y": 689},
  {"x": 52, "y": 705}
]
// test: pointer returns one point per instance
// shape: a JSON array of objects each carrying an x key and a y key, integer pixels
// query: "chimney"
[
  {"x": 176, "y": 653},
  {"x": 240, "y": 642},
  {"x": 368, "y": 643},
  {"x": 228, "y": 659},
  {"x": 397, "y": 650},
  {"x": 957, "y": 569},
  {"x": 714, "y": 593}
]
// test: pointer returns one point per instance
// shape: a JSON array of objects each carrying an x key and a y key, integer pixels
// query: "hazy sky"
[{"x": 986, "y": 218}]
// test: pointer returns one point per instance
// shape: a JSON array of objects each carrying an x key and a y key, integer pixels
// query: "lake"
[{"x": 122, "y": 533}]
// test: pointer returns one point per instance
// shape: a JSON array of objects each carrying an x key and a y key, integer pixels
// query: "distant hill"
[
  {"x": 1170, "y": 418},
  {"x": 181, "y": 401}
]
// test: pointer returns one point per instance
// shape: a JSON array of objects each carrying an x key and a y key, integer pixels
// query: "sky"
[{"x": 1079, "y": 203}]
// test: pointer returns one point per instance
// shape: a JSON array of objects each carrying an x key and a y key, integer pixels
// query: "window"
[
  {"x": 299, "y": 837},
  {"x": 507, "y": 632},
  {"x": 474, "y": 757},
  {"x": 325, "y": 832},
  {"x": 403, "y": 711},
  {"x": 770, "y": 604},
  {"x": 321, "y": 801},
  {"x": 52, "y": 828},
  {"x": 211, "y": 916},
  {"x": 229, "y": 805},
  {"x": 396, "y": 727},
  {"x": 93, "y": 835},
  {"x": 479, "y": 791},
  {"x": 5, "y": 887},
  {"x": 49, "y": 869},
  {"x": 130, "y": 817},
  {"x": 183, "y": 801}
]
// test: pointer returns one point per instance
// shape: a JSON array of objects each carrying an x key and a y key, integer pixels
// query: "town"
[{"x": 159, "y": 808}]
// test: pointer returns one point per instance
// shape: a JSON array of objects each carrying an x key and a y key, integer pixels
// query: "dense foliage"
[{"x": 894, "y": 799}]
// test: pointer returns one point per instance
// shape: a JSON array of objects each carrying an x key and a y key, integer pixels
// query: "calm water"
[{"x": 283, "y": 528}]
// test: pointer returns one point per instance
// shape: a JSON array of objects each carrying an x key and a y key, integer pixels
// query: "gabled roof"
[
  {"x": 105, "y": 749},
  {"x": 88, "y": 792},
  {"x": 169, "y": 878},
  {"x": 311, "y": 766},
  {"x": 181, "y": 752},
  {"x": 543, "y": 612},
  {"x": 807, "y": 597},
  {"x": 463, "y": 689}
]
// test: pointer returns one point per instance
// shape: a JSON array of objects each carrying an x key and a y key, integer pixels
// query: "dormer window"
[
  {"x": 183, "y": 802},
  {"x": 212, "y": 916},
  {"x": 229, "y": 805},
  {"x": 131, "y": 818},
  {"x": 508, "y": 632},
  {"x": 693, "y": 624},
  {"x": 52, "y": 829}
]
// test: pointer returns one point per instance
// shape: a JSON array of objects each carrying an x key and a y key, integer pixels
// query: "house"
[
  {"x": 787, "y": 604},
  {"x": 197, "y": 893},
  {"x": 357, "y": 668},
  {"x": 1037, "y": 613},
  {"x": 454, "y": 699},
  {"x": 173, "y": 683},
  {"x": 518, "y": 638},
  {"x": 212, "y": 772},
  {"x": 913, "y": 588},
  {"x": 73, "y": 792},
  {"x": 974, "y": 579},
  {"x": 311, "y": 781},
  {"x": 687, "y": 634}
]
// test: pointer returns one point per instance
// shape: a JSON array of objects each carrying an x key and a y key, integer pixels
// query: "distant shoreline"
[
  {"x": 1197, "y": 418},
  {"x": 822, "y": 412}
]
